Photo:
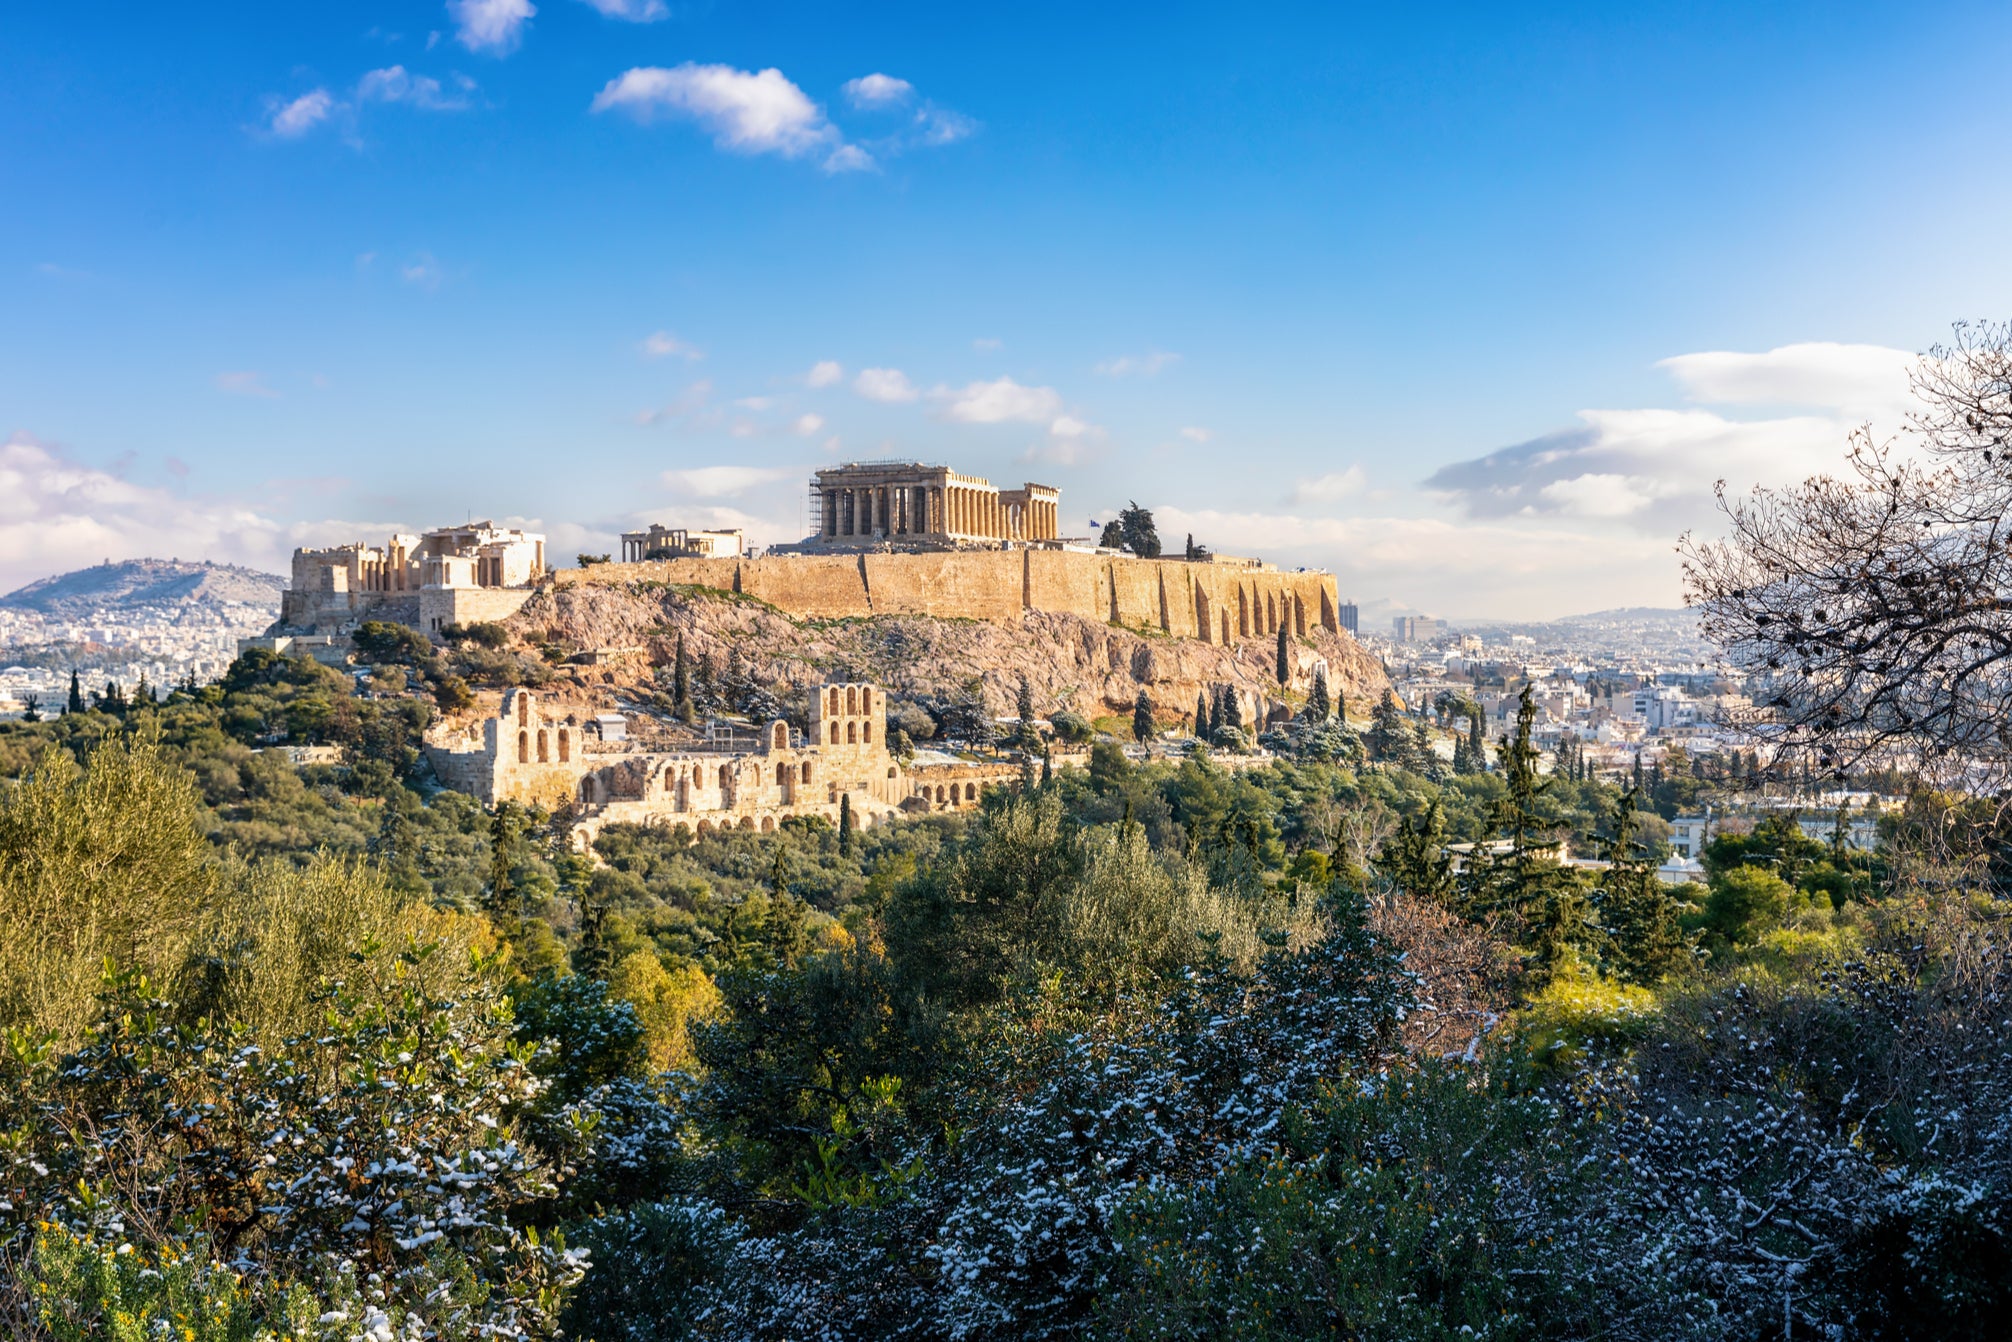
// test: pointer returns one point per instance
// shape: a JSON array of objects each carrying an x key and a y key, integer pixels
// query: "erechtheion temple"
[
  {"x": 526, "y": 755},
  {"x": 454, "y": 575},
  {"x": 662, "y": 542}
]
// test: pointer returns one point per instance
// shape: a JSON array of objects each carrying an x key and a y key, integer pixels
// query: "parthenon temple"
[{"x": 863, "y": 504}]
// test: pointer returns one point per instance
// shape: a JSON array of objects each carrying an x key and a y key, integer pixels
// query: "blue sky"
[{"x": 1469, "y": 306}]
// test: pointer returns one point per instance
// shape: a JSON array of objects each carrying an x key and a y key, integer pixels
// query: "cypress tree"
[
  {"x": 1477, "y": 739},
  {"x": 845, "y": 824},
  {"x": 1215, "y": 710},
  {"x": 1317, "y": 706},
  {"x": 1047, "y": 767},
  {"x": 1142, "y": 717},
  {"x": 681, "y": 685},
  {"x": 1284, "y": 667},
  {"x": 1233, "y": 712},
  {"x": 1201, "y": 715},
  {"x": 76, "y": 704},
  {"x": 501, "y": 898},
  {"x": 1645, "y": 941}
]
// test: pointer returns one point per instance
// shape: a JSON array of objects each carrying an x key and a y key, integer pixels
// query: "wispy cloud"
[
  {"x": 690, "y": 402},
  {"x": 746, "y": 111},
  {"x": 422, "y": 272},
  {"x": 245, "y": 383},
  {"x": 714, "y": 482},
  {"x": 301, "y": 115},
  {"x": 396, "y": 84},
  {"x": 988, "y": 344},
  {"x": 664, "y": 345},
  {"x": 494, "y": 27},
  {"x": 1330, "y": 488},
  {"x": 884, "y": 384},
  {"x": 1000, "y": 401},
  {"x": 824, "y": 373},
  {"x": 878, "y": 90},
  {"x": 632, "y": 11},
  {"x": 1137, "y": 365},
  {"x": 1195, "y": 433},
  {"x": 807, "y": 426}
]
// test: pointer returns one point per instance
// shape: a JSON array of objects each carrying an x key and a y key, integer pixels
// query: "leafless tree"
[{"x": 1874, "y": 610}]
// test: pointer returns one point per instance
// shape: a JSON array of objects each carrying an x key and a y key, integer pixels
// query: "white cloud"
[
  {"x": 396, "y": 84},
  {"x": 807, "y": 425},
  {"x": 632, "y": 11},
  {"x": 749, "y": 112},
  {"x": 939, "y": 125},
  {"x": 1068, "y": 426},
  {"x": 1195, "y": 433},
  {"x": 494, "y": 26},
  {"x": 302, "y": 114},
  {"x": 1137, "y": 365},
  {"x": 877, "y": 90},
  {"x": 58, "y": 514},
  {"x": 245, "y": 384},
  {"x": 1861, "y": 380},
  {"x": 422, "y": 272},
  {"x": 755, "y": 402},
  {"x": 1000, "y": 402},
  {"x": 713, "y": 482},
  {"x": 1330, "y": 488},
  {"x": 884, "y": 384},
  {"x": 824, "y": 373},
  {"x": 987, "y": 344},
  {"x": 1654, "y": 468},
  {"x": 663, "y": 345}
]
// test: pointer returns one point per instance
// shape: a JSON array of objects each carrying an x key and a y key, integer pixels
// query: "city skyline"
[{"x": 1470, "y": 313}]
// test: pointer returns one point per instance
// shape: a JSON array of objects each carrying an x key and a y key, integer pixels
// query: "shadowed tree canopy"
[{"x": 1875, "y": 608}]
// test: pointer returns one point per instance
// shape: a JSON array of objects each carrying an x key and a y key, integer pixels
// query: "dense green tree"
[
  {"x": 76, "y": 702},
  {"x": 1143, "y": 727},
  {"x": 1641, "y": 919},
  {"x": 1137, "y": 532},
  {"x": 1203, "y": 727},
  {"x": 845, "y": 824},
  {"x": 1319, "y": 706},
  {"x": 1282, "y": 661},
  {"x": 1416, "y": 860},
  {"x": 681, "y": 685}
]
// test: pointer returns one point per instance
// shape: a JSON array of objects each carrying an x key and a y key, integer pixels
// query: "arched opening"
[
  {"x": 939, "y": 794},
  {"x": 891, "y": 771},
  {"x": 565, "y": 747},
  {"x": 866, "y": 701},
  {"x": 747, "y": 822},
  {"x": 832, "y": 708},
  {"x": 523, "y": 709},
  {"x": 852, "y": 733},
  {"x": 523, "y": 747},
  {"x": 779, "y": 736},
  {"x": 705, "y": 828},
  {"x": 544, "y": 747},
  {"x": 971, "y": 792},
  {"x": 851, "y": 700},
  {"x": 781, "y": 774},
  {"x": 768, "y": 824},
  {"x": 866, "y": 731},
  {"x": 834, "y": 728},
  {"x": 587, "y": 790},
  {"x": 806, "y": 771}
]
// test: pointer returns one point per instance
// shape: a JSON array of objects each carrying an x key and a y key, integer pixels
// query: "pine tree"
[
  {"x": 1340, "y": 708},
  {"x": 1524, "y": 880},
  {"x": 1026, "y": 735},
  {"x": 1318, "y": 709},
  {"x": 501, "y": 899},
  {"x": 1047, "y": 768},
  {"x": 1477, "y": 739},
  {"x": 1415, "y": 859},
  {"x": 1202, "y": 729},
  {"x": 1233, "y": 711},
  {"x": 845, "y": 824},
  {"x": 1389, "y": 740},
  {"x": 1030, "y": 774},
  {"x": 1284, "y": 666},
  {"x": 1142, "y": 717},
  {"x": 76, "y": 704},
  {"x": 1645, "y": 942},
  {"x": 681, "y": 685}
]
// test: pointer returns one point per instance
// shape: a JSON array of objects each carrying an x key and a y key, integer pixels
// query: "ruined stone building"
[
  {"x": 525, "y": 754},
  {"x": 454, "y": 575},
  {"x": 662, "y": 542},
  {"x": 918, "y": 506}
]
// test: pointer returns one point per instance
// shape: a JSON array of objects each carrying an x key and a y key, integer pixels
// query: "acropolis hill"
[{"x": 916, "y": 578}]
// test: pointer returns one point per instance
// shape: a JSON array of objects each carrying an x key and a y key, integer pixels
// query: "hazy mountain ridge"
[{"x": 135, "y": 584}]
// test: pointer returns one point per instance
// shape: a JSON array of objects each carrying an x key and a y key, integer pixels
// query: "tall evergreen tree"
[
  {"x": 1318, "y": 707},
  {"x": 1477, "y": 739},
  {"x": 1215, "y": 710},
  {"x": 845, "y": 824},
  {"x": 76, "y": 704},
  {"x": 1415, "y": 860},
  {"x": 1202, "y": 729},
  {"x": 1284, "y": 659},
  {"x": 1390, "y": 740},
  {"x": 501, "y": 899},
  {"x": 1524, "y": 879},
  {"x": 1143, "y": 728},
  {"x": 1233, "y": 711},
  {"x": 1645, "y": 942},
  {"x": 681, "y": 685}
]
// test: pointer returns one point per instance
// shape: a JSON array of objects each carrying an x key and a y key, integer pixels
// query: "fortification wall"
[
  {"x": 440, "y": 607},
  {"x": 1214, "y": 604}
]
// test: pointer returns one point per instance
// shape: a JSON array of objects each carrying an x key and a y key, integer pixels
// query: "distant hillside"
[{"x": 136, "y": 584}]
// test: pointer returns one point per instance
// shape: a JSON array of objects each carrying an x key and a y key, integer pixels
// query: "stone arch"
[
  {"x": 705, "y": 828},
  {"x": 523, "y": 709},
  {"x": 768, "y": 824},
  {"x": 747, "y": 822},
  {"x": 779, "y": 736},
  {"x": 834, "y": 728},
  {"x": 587, "y": 790},
  {"x": 565, "y": 747},
  {"x": 866, "y": 732},
  {"x": 939, "y": 794},
  {"x": 892, "y": 771},
  {"x": 866, "y": 699},
  {"x": 806, "y": 771},
  {"x": 851, "y": 699},
  {"x": 544, "y": 748},
  {"x": 832, "y": 705},
  {"x": 852, "y": 733},
  {"x": 971, "y": 792},
  {"x": 523, "y": 747}
]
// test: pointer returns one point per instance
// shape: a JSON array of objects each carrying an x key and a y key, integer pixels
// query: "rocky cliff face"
[{"x": 1068, "y": 661}]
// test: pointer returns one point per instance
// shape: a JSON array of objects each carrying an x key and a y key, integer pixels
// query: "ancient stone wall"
[
  {"x": 440, "y": 607},
  {"x": 1214, "y": 603}
]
